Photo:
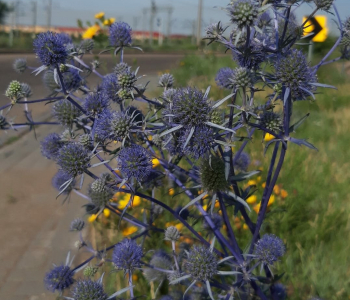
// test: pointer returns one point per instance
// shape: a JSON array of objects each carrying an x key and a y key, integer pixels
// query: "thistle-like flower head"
[
  {"x": 269, "y": 249},
  {"x": 90, "y": 271},
  {"x": 20, "y": 65},
  {"x": 135, "y": 162},
  {"x": 103, "y": 126},
  {"x": 111, "y": 87},
  {"x": 243, "y": 162},
  {"x": 166, "y": 80},
  {"x": 127, "y": 255},
  {"x": 50, "y": 145},
  {"x": 59, "y": 278},
  {"x": 72, "y": 79},
  {"x": 172, "y": 234},
  {"x": 96, "y": 103},
  {"x": 73, "y": 159},
  {"x": 270, "y": 120},
  {"x": 86, "y": 45},
  {"x": 160, "y": 260},
  {"x": 60, "y": 179},
  {"x": 201, "y": 263},
  {"x": 50, "y": 48},
  {"x": 127, "y": 80},
  {"x": 243, "y": 13},
  {"x": 190, "y": 107},
  {"x": 65, "y": 112},
  {"x": 87, "y": 289},
  {"x": 224, "y": 78},
  {"x": 120, "y": 34},
  {"x": 216, "y": 219},
  {"x": 100, "y": 193},
  {"x": 242, "y": 78},
  {"x": 121, "y": 67},
  {"x": 120, "y": 125},
  {"x": 14, "y": 91},
  {"x": 212, "y": 171},
  {"x": 26, "y": 90},
  {"x": 294, "y": 72},
  {"x": 214, "y": 32}
]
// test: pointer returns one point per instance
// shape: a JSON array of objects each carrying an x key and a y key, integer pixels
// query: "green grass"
[{"x": 314, "y": 219}]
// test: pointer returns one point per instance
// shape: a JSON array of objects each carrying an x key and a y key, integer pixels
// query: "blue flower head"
[
  {"x": 73, "y": 159},
  {"x": 120, "y": 34},
  {"x": 223, "y": 78},
  {"x": 135, "y": 162},
  {"x": 59, "y": 278},
  {"x": 96, "y": 103},
  {"x": 111, "y": 87},
  {"x": 127, "y": 255},
  {"x": 243, "y": 13},
  {"x": 269, "y": 249},
  {"x": 279, "y": 292},
  {"x": 50, "y": 48},
  {"x": 216, "y": 219},
  {"x": 294, "y": 72},
  {"x": 103, "y": 126},
  {"x": 200, "y": 143},
  {"x": 243, "y": 162},
  {"x": 59, "y": 179},
  {"x": 201, "y": 263},
  {"x": 50, "y": 145},
  {"x": 65, "y": 112},
  {"x": 72, "y": 79},
  {"x": 77, "y": 225},
  {"x": 87, "y": 289},
  {"x": 190, "y": 107}
]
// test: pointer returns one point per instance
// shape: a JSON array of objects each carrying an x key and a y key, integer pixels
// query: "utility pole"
[
  {"x": 153, "y": 14},
  {"x": 49, "y": 11},
  {"x": 144, "y": 21},
  {"x": 35, "y": 13},
  {"x": 199, "y": 22},
  {"x": 170, "y": 11}
]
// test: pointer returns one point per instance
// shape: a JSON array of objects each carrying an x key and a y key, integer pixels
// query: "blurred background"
[{"x": 310, "y": 208}]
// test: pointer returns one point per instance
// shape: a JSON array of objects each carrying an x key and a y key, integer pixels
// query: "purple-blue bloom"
[
  {"x": 96, "y": 103},
  {"x": 87, "y": 289},
  {"x": 243, "y": 162},
  {"x": 59, "y": 278},
  {"x": 111, "y": 87},
  {"x": 269, "y": 249},
  {"x": 73, "y": 159},
  {"x": 59, "y": 179},
  {"x": 127, "y": 255},
  {"x": 65, "y": 112},
  {"x": 223, "y": 77},
  {"x": 50, "y": 145},
  {"x": 50, "y": 48},
  {"x": 120, "y": 34},
  {"x": 135, "y": 162}
]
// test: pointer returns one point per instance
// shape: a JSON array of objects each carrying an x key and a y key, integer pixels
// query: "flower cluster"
[{"x": 182, "y": 154}]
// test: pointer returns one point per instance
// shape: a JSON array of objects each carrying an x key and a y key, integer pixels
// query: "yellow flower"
[
  {"x": 284, "y": 193},
  {"x": 168, "y": 224},
  {"x": 271, "y": 200},
  {"x": 257, "y": 208},
  {"x": 264, "y": 184},
  {"x": 245, "y": 227},
  {"x": 171, "y": 191},
  {"x": 252, "y": 182},
  {"x": 112, "y": 20},
  {"x": 268, "y": 137},
  {"x": 122, "y": 203},
  {"x": 217, "y": 204},
  {"x": 129, "y": 230},
  {"x": 106, "y": 212},
  {"x": 92, "y": 218},
  {"x": 134, "y": 277},
  {"x": 91, "y": 32},
  {"x": 252, "y": 199},
  {"x": 155, "y": 162},
  {"x": 258, "y": 179},
  {"x": 205, "y": 206},
  {"x": 100, "y": 15},
  {"x": 137, "y": 201},
  {"x": 276, "y": 189},
  {"x": 179, "y": 226}
]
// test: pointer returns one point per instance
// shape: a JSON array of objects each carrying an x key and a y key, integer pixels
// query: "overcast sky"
[{"x": 66, "y": 12}]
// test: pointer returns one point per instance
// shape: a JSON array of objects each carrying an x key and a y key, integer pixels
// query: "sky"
[{"x": 66, "y": 12}]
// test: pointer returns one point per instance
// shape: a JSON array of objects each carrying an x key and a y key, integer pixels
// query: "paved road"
[{"x": 34, "y": 225}]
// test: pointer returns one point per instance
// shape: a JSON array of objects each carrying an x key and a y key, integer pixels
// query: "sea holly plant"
[{"x": 114, "y": 125}]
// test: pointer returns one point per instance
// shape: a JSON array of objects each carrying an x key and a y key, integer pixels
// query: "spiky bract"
[
  {"x": 201, "y": 263},
  {"x": 166, "y": 80},
  {"x": 59, "y": 180}
]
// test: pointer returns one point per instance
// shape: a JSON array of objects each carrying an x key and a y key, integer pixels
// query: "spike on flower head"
[{"x": 59, "y": 180}]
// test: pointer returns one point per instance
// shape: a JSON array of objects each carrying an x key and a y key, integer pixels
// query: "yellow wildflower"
[
  {"x": 91, "y": 32},
  {"x": 257, "y": 208},
  {"x": 258, "y": 179},
  {"x": 252, "y": 182},
  {"x": 205, "y": 206},
  {"x": 179, "y": 226},
  {"x": 268, "y": 137},
  {"x": 106, "y": 212},
  {"x": 134, "y": 277},
  {"x": 245, "y": 227},
  {"x": 92, "y": 218},
  {"x": 276, "y": 189},
  {"x": 217, "y": 204},
  {"x": 284, "y": 193},
  {"x": 252, "y": 199},
  {"x": 137, "y": 201},
  {"x": 100, "y": 15},
  {"x": 271, "y": 200},
  {"x": 264, "y": 184},
  {"x": 129, "y": 230},
  {"x": 122, "y": 203},
  {"x": 155, "y": 162},
  {"x": 171, "y": 191}
]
